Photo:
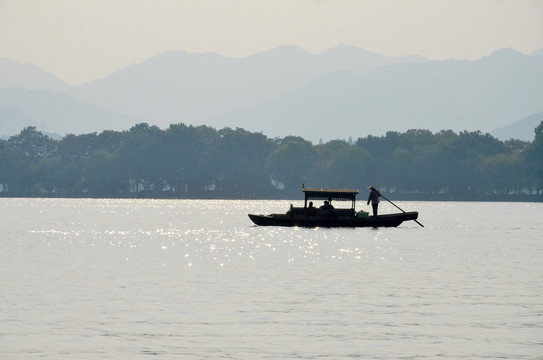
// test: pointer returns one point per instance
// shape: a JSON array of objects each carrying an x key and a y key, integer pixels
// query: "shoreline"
[{"x": 362, "y": 198}]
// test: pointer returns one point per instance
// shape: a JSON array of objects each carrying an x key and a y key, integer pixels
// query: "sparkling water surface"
[{"x": 195, "y": 279}]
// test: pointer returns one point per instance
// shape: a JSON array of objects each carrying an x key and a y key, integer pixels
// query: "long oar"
[{"x": 399, "y": 208}]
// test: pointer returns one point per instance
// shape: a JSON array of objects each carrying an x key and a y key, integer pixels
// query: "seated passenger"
[
  {"x": 311, "y": 210},
  {"x": 327, "y": 205},
  {"x": 289, "y": 212}
]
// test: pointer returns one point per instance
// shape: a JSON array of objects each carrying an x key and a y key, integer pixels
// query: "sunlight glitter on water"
[{"x": 196, "y": 279}]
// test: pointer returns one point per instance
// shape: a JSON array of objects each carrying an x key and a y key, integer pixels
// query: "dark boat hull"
[{"x": 388, "y": 220}]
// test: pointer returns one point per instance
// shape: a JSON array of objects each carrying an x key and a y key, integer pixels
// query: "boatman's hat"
[{"x": 371, "y": 187}]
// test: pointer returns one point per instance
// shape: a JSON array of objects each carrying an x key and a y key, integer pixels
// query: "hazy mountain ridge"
[
  {"x": 341, "y": 92},
  {"x": 54, "y": 112},
  {"x": 178, "y": 86},
  {"x": 459, "y": 95},
  {"x": 522, "y": 129},
  {"x": 28, "y": 76}
]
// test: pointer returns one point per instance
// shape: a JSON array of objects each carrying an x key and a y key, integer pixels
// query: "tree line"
[{"x": 202, "y": 162}]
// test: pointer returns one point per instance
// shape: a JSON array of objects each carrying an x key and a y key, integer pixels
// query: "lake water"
[{"x": 177, "y": 279}]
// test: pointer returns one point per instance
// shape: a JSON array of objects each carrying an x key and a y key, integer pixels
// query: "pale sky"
[{"x": 82, "y": 40}]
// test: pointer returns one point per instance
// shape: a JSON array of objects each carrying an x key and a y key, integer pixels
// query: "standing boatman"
[{"x": 374, "y": 198}]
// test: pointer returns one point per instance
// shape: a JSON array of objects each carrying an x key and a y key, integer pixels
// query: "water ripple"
[{"x": 125, "y": 279}]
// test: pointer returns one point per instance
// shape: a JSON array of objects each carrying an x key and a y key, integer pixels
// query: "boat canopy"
[{"x": 330, "y": 194}]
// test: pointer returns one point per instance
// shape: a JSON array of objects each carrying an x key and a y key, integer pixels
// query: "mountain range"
[{"x": 341, "y": 92}]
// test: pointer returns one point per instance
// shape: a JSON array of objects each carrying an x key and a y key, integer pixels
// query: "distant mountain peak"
[
  {"x": 178, "y": 52},
  {"x": 352, "y": 52},
  {"x": 347, "y": 48},
  {"x": 15, "y": 74},
  {"x": 509, "y": 52}
]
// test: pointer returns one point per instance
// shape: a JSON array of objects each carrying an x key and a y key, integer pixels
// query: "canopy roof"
[{"x": 332, "y": 194}]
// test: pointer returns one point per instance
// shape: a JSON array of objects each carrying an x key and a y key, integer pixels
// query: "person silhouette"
[{"x": 373, "y": 197}]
